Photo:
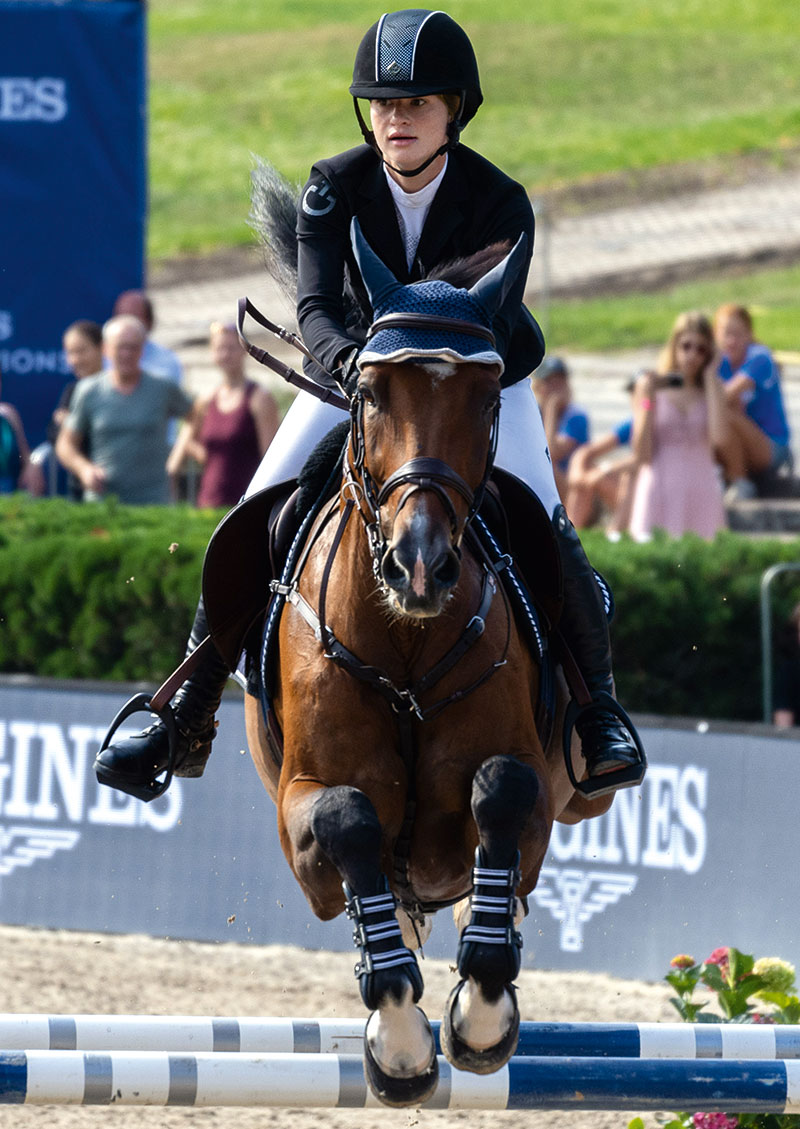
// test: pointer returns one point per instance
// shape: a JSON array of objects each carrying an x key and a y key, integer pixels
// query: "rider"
[{"x": 422, "y": 199}]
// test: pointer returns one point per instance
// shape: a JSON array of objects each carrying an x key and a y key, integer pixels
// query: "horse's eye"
[{"x": 367, "y": 395}]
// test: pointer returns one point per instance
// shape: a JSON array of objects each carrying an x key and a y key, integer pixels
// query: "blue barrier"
[{"x": 329, "y": 1081}]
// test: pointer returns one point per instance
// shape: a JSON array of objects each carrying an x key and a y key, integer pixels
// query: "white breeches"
[{"x": 521, "y": 448}]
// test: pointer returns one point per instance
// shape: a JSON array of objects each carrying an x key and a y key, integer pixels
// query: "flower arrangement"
[{"x": 744, "y": 990}]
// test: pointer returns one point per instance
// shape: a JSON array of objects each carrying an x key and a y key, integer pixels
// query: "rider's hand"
[{"x": 347, "y": 367}]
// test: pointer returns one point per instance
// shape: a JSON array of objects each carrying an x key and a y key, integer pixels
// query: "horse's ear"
[
  {"x": 378, "y": 279},
  {"x": 492, "y": 290}
]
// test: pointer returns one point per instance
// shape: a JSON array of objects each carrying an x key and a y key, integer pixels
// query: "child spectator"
[
  {"x": 566, "y": 426},
  {"x": 600, "y": 479}
]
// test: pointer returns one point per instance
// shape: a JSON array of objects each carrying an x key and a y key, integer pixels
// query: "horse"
[{"x": 412, "y": 775}]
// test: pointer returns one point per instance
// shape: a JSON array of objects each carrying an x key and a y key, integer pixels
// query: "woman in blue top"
[{"x": 421, "y": 199}]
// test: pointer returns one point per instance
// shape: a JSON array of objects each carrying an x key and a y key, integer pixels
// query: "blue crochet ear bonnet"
[{"x": 433, "y": 299}]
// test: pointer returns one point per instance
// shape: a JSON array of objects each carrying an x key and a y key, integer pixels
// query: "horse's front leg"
[
  {"x": 481, "y": 1023},
  {"x": 399, "y": 1048}
]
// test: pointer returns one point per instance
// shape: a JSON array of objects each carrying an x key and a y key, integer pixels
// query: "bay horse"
[{"x": 412, "y": 775}]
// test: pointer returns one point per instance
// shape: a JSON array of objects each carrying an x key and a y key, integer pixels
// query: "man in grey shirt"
[{"x": 123, "y": 413}]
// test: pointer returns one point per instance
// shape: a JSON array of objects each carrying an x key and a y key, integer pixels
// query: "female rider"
[{"x": 421, "y": 199}]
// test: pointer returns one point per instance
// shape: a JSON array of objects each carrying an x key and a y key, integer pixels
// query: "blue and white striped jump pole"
[
  {"x": 325, "y": 1081},
  {"x": 344, "y": 1036}
]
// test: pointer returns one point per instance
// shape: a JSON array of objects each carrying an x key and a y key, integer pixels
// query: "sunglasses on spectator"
[{"x": 692, "y": 347}]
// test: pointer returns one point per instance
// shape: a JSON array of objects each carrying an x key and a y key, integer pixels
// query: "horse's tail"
[{"x": 273, "y": 216}]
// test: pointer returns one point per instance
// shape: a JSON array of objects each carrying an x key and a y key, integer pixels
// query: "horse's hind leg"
[
  {"x": 481, "y": 1023},
  {"x": 399, "y": 1049}
]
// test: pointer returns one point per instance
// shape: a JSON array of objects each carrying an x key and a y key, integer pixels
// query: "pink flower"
[
  {"x": 682, "y": 960},
  {"x": 757, "y": 1017},
  {"x": 714, "y": 1121},
  {"x": 720, "y": 956}
]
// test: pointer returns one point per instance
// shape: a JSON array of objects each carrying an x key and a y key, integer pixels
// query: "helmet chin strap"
[{"x": 453, "y": 132}]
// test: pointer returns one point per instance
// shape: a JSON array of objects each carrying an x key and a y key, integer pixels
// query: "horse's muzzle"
[{"x": 420, "y": 577}]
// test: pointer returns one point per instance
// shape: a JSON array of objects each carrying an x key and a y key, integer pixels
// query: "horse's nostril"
[
  {"x": 393, "y": 572},
  {"x": 447, "y": 570}
]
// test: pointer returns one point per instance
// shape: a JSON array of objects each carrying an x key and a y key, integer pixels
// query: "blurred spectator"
[
  {"x": 600, "y": 480},
  {"x": 565, "y": 425},
  {"x": 83, "y": 349},
  {"x": 786, "y": 688},
  {"x": 157, "y": 359},
  {"x": 759, "y": 432},
  {"x": 122, "y": 413},
  {"x": 679, "y": 419},
  {"x": 231, "y": 429},
  {"x": 17, "y": 472}
]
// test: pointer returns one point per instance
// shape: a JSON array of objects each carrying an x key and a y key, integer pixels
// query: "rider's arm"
[{"x": 323, "y": 236}]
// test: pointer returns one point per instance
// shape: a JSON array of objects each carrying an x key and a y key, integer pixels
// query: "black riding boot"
[
  {"x": 612, "y": 757},
  {"x": 131, "y": 764}
]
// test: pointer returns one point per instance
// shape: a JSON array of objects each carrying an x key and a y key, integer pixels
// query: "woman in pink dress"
[
  {"x": 680, "y": 420},
  {"x": 232, "y": 429}
]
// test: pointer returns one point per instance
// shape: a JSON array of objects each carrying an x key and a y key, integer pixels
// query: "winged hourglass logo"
[
  {"x": 574, "y": 896},
  {"x": 22, "y": 846}
]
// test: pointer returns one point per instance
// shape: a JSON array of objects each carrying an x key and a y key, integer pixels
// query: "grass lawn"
[
  {"x": 572, "y": 90},
  {"x": 636, "y": 320}
]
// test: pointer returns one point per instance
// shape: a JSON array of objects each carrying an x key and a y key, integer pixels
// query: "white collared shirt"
[{"x": 412, "y": 210}]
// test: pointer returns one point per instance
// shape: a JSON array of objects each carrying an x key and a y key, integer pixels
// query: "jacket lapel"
[
  {"x": 443, "y": 218},
  {"x": 378, "y": 219}
]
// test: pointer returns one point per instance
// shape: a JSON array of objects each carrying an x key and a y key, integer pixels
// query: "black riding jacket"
[{"x": 476, "y": 204}]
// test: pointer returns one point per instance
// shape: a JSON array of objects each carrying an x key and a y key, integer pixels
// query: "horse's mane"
[{"x": 465, "y": 272}]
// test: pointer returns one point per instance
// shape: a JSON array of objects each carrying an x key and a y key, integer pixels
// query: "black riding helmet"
[{"x": 416, "y": 52}]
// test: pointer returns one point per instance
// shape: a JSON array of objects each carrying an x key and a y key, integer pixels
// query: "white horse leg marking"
[
  {"x": 479, "y": 1023},
  {"x": 399, "y": 1037}
]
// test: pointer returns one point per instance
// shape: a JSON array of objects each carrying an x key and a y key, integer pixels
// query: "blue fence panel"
[{"x": 73, "y": 195}]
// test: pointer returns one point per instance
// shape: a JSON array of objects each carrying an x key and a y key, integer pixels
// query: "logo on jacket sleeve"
[{"x": 319, "y": 199}]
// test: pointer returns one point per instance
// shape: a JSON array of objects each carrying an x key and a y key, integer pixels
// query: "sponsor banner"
[
  {"x": 72, "y": 182},
  {"x": 695, "y": 858}
]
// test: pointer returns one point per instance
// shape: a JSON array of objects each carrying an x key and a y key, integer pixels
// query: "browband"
[{"x": 429, "y": 321}]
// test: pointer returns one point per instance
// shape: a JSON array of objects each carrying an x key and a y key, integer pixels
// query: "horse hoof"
[
  {"x": 400, "y": 1092},
  {"x": 463, "y": 1057}
]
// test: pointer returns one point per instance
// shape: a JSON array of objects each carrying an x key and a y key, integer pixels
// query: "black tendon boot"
[
  {"x": 609, "y": 743},
  {"x": 132, "y": 764}
]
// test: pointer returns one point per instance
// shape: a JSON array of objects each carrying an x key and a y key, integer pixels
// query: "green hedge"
[
  {"x": 104, "y": 591},
  {"x": 98, "y": 591}
]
